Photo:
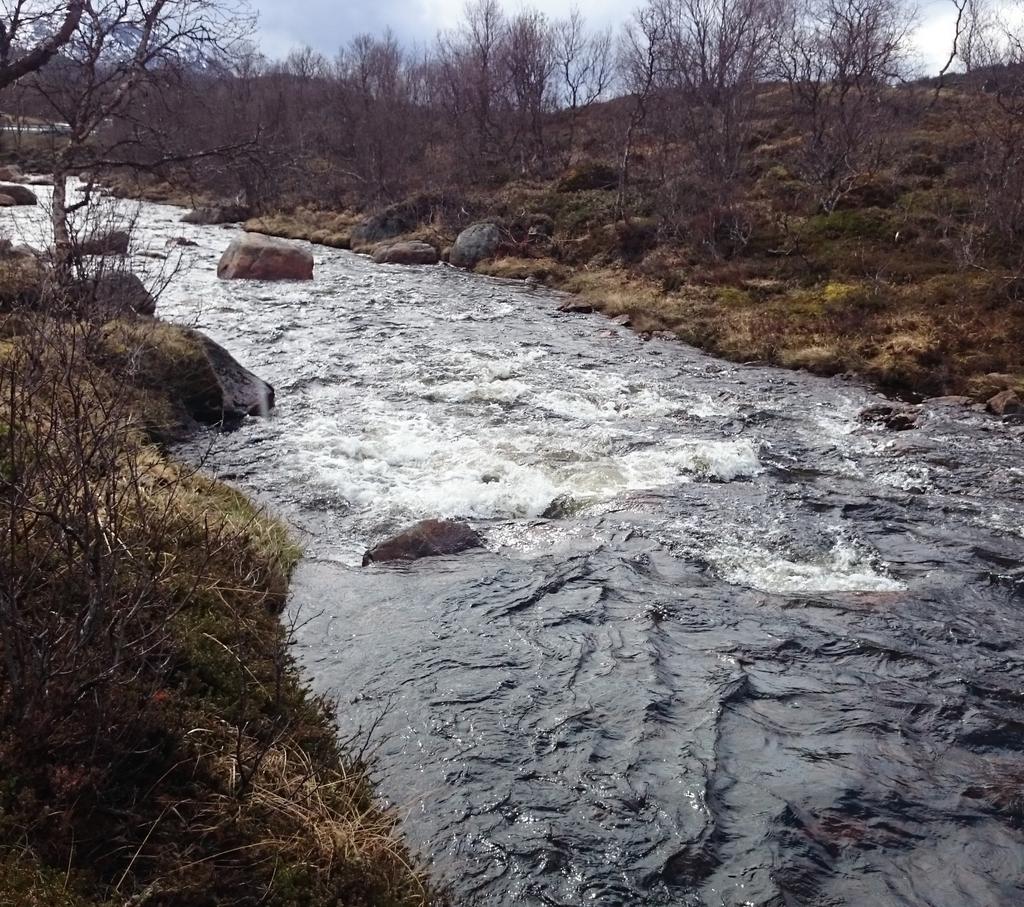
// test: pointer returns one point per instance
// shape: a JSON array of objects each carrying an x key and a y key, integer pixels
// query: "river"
[{"x": 725, "y": 645}]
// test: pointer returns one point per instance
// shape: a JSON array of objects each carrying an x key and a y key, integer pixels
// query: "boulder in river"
[
  {"x": 22, "y": 274},
  {"x": 429, "y": 538},
  {"x": 11, "y": 173},
  {"x": 21, "y": 195},
  {"x": 210, "y": 215},
  {"x": 891, "y": 416},
  {"x": 1005, "y": 403},
  {"x": 189, "y": 378},
  {"x": 407, "y": 253},
  {"x": 474, "y": 244},
  {"x": 253, "y": 256},
  {"x": 112, "y": 242}
]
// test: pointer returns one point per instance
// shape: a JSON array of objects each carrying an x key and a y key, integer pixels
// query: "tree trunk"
[{"x": 59, "y": 221}]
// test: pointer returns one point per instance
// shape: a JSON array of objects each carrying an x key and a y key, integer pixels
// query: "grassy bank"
[
  {"x": 157, "y": 745},
  {"x": 869, "y": 291}
]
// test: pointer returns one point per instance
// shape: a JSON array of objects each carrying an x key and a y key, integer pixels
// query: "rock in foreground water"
[
  {"x": 253, "y": 256},
  {"x": 429, "y": 538}
]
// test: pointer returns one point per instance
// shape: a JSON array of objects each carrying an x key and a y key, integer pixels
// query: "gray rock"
[
  {"x": 242, "y": 392},
  {"x": 402, "y": 217},
  {"x": 576, "y": 307},
  {"x": 113, "y": 242},
  {"x": 890, "y": 416},
  {"x": 429, "y": 538},
  {"x": 950, "y": 400},
  {"x": 474, "y": 244},
  {"x": 119, "y": 292}
]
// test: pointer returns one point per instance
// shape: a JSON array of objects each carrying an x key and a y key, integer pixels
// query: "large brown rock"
[
  {"x": 430, "y": 538},
  {"x": 1005, "y": 403},
  {"x": 11, "y": 173},
  {"x": 253, "y": 256},
  {"x": 21, "y": 195},
  {"x": 407, "y": 253}
]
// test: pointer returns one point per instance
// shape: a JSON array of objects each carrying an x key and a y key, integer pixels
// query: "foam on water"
[
  {"x": 847, "y": 567},
  {"x": 415, "y": 464}
]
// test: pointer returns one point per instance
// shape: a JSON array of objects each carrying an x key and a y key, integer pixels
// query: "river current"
[{"x": 725, "y": 645}]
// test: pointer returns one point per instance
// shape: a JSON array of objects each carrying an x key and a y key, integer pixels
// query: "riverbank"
[
  {"x": 872, "y": 292},
  {"x": 157, "y": 744},
  {"x": 926, "y": 331}
]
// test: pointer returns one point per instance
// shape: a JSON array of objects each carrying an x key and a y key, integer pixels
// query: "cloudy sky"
[{"x": 328, "y": 24}]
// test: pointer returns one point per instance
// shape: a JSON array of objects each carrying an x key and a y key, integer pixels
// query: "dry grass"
[{"x": 324, "y": 228}]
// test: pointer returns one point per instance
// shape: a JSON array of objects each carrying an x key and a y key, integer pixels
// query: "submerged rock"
[
  {"x": 429, "y": 538},
  {"x": 253, "y": 256},
  {"x": 474, "y": 244},
  {"x": 407, "y": 253},
  {"x": 890, "y": 416}
]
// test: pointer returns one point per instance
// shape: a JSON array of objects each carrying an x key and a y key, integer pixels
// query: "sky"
[{"x": 326, "y": 25}]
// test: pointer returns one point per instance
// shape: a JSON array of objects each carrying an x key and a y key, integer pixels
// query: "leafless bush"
[{"x": 839, "y": 58}]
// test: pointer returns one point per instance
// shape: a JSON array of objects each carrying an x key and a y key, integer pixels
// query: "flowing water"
[{"x": 725, "y": 645}]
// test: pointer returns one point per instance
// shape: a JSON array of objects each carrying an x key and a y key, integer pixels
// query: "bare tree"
[
  {"x": 642, "y": 63},
  {"x": 838, "y": 59},
  {"x": 585, "y": 69},
  {"x": 718, "y": 52},
  {"x": 121, "y": 51},
  {"x": 471, "y": 81},
  {"x": 529, "y": 64},
  {"x": 32, "y": 33}
]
